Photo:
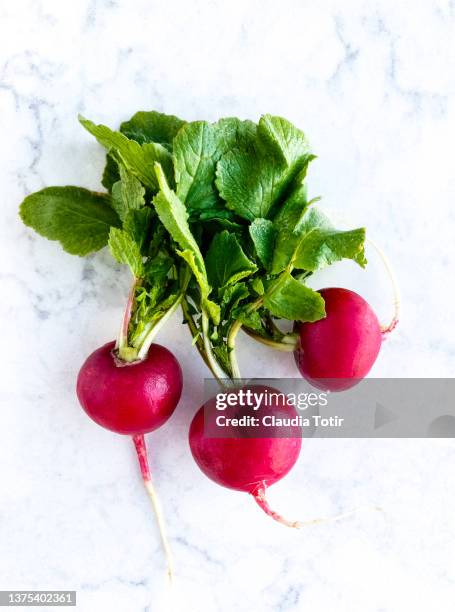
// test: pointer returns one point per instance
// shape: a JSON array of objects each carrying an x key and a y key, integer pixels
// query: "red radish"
[
  {"x": 247, "y": 464},
  {"x": 132, "y": 398},
  {"x": 342, "y": 347}
]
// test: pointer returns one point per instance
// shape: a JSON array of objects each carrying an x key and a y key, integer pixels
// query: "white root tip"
[
  {"x": 261, "y": 500},
  {"x": 386, "y": 329},
  {"x": 338, "y": 517},
  {"x": 161, "y": 527}
]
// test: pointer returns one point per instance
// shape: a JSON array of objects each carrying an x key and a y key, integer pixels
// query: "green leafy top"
[{"x": 214, "y": 214}]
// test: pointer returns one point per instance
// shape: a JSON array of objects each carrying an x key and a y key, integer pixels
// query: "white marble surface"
[{"x": 372, "y": 83}]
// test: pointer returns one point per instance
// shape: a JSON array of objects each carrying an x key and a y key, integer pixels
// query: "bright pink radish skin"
[
  {"x": 342, "y": 348},
  {"x": 246, "y": 464},
  {"x": 133, "y": 398}
]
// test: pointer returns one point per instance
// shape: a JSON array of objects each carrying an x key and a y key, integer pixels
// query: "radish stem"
[
  {"x": 141, "y": 450},
  {"x": 202, "y": 343},
  {"x": 195, "y": 334},
  {"x": 155, "y": 328},
  {"x": 122, "y": 341},
  {"x": 216, "y": 369},
  {"x": 235, "y": 328},
  {"x": 284, "y": 346},
  {"x": 139, "y": 349},
  {"x": 386, "y": 329},
  {"x": 231, "y": 347}
]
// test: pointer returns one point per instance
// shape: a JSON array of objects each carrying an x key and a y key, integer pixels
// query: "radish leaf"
[
  {"x": 127, "y": 194},
  {"x": 285, "y": 223},
  {"x": 151, "y": 126},
  {"x": 226, "y": 262},
  {"x": 125, "y": 250},
  {"x": 174, "y": 217},
  {"x": 137, "y": 224},
  {"x": 254, "y": 179},
  {"x": 321, "y": 244},
  {"x": 197, "y": 148},
  {"x": 263, "y": 233},
  {"x": 111, "y": 173},
  {"x": 287, "y": 298},
  {"x": 79, "y": 219},
  {"x": 138, "y": 159}
]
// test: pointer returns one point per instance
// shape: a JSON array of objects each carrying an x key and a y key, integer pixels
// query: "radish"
[
  {"x": 132, "y": 398},
  {"x": 252, "y": 464},
  {"x": 341, "y": 348},
  {"x": 244, "y": 463},
  {"x": 337, "y": 352}
]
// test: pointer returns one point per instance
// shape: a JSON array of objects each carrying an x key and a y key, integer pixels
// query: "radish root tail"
[
  {"x": 141, "y": 450},
  {"x": 260, "y": 498},
  {"x": 339, "y": 517},
  {"x": 386, "y": 329}
]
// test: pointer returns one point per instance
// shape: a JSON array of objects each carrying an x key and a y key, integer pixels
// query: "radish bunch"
[{"x": 214, "y": 218}]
